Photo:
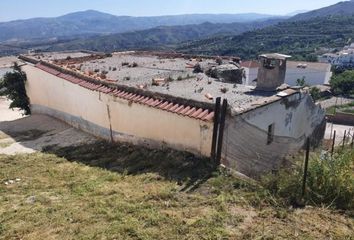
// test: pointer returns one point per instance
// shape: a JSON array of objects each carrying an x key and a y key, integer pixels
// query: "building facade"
[
  {"x": 313, "y": 73},
  {"x": 254, "y": 135}
]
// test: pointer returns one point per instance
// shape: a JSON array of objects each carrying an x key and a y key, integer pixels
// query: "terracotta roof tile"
[
  {"x": 163, "y": 105},
  {"x": 185, "y": 110},
  {"x": 190, "y": 112},
  {"x": 196, "y": 113},
  {"x": 203, "y": 114},
  {"x": 173, "y": 108},
  {"x": 168, "y": 106},
  {"x": 156, "y": 103},
  {"x": 209, "y": 117},
  {"x": 178, "y": 109}
]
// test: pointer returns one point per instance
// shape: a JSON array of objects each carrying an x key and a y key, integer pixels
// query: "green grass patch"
[
  {"x": 105, "y": 191},
  {"x": 346, "y": 108}
]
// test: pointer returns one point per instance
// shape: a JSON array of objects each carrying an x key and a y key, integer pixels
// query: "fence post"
[
  {"x": 352, "y": 141},
  {"x": 334, "y": 142},
  {"x": 344, "y": 139},
  {"x": 216, "y": 128},
  {"x": 221, "y": 131},
  {"x": 306, "y": 167}
]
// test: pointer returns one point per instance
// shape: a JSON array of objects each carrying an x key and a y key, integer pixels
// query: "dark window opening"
[
  {"x": 270, "y": 138},
  {"x": 269, "y": 63}
]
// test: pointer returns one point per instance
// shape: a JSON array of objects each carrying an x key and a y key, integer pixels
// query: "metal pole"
[
  {"x": 221, "y": 131},
  {"x": 334, "y": 142},
  {"x": 216, "y": 128},
  {"x": 306, "y": 167},
  {"x": 344, "y": 139}
]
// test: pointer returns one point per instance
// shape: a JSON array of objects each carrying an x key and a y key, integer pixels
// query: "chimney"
[{"x": 271, "y": 73}]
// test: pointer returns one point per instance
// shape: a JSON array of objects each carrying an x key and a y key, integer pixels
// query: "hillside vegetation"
[
  {"x": 104, "y": 191},
  {"x": 158, "y": 38},
  {"x": 344, "y": 8},
  {"x": 295, "y": 38}
]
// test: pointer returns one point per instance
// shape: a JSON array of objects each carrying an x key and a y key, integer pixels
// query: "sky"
[{"x": 24, "y": 9}]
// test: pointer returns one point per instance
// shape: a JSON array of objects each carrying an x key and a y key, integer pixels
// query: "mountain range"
[
  {"x": 88, "y": 23},
  {"x": 301, "y": 36},
  {"x": 164, "y": 37},
  {"x": 245, "y": 35}
]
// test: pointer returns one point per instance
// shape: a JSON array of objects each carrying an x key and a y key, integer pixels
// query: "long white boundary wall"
[{"x": 113, "y": 118}]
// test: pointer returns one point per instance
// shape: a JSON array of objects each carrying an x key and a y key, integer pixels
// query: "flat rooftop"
[{"x": 163, "y": 74}]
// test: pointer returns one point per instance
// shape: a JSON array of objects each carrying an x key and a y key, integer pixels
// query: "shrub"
[
  {"x": 330, "y": 181},
  {"x": 343, "y": 83},
  {"x": 14, "y": 85},
  {"x": 315, "y": 93},
  {"x": 197, "y": 68}
]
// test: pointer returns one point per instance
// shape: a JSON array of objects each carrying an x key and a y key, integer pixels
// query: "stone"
[
  {"x": 31, "y": 200},
  {"x": 228, "y": 72}
]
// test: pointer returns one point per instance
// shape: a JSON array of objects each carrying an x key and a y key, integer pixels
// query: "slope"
[
  {"x": 157, "y": 38},
  {"x": 340, "y": 9},
  {"x": 299, "y": 39},
  {"x": 93, "y": 22}
]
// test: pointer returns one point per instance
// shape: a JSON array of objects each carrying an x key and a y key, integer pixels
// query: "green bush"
[
  {"x": 13, "y": 84},
  {"x": 315, "y": 93},
  {"x": 343, "y": 83},
  {"x": 330, "y": 181}
]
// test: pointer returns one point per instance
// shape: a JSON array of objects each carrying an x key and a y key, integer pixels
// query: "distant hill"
[
  {"x": 340, "y": 9},
  {"x": 299, "y": 38},
  {"x": 159, "y": 37},
  {"x": 92, "y": 22}
]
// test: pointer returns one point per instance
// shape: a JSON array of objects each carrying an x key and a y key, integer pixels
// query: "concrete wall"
[
  {"x": 251, "y": 74},
  {"x": 271, "y": 74},
  {"x": 312, "y": 76},
  {"x": 246, "y": 147},
  {"x": 113, "y": 118}
]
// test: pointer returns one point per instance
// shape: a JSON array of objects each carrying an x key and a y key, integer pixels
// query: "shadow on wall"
[{"x": 42, "y": 133}]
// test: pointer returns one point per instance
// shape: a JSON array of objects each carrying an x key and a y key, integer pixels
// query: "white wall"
[
  {"x": 251, "y": 74},
  {"x": 246, "y": 147},
  {"x": 312, "y": 76},
  {"x": 97, "y": 113}
]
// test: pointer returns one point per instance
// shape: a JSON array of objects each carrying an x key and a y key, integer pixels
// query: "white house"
[
  {"x": 344, "y": 58},
  {"x": 313, "y": 73}
]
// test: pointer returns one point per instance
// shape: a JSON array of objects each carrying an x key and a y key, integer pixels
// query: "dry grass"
[{"x": 104, "y": 191}]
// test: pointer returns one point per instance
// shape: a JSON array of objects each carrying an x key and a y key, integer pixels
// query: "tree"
[
  {"x": 343, "y": 83},
  {"x": 315, "y": 93},
  {"x": 13, "y": 84},
  {"x": 301, "y": 82}
]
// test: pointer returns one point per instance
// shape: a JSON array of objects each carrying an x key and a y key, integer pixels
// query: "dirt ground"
[{"x": 20, "y": 134}]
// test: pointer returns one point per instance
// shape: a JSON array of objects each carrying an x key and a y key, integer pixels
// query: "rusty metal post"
[
  {"x": 334, "y": 142},
  {"x": 306, "y": 167},
  {"x": 221, "y": 131},
  {"x": 344, "y": 139},
  {"x": 216, "y": 128}
]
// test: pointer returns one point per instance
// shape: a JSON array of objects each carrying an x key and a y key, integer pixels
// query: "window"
[
  {"x": 269, "y": 63},
  {"x": 270, "y": 137}
]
